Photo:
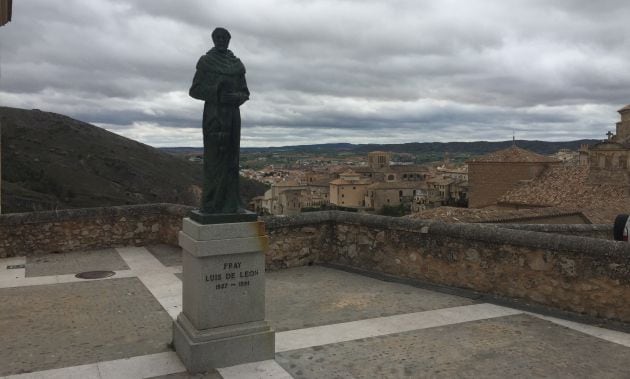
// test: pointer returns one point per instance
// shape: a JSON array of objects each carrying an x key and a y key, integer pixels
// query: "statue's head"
[{"x": 221, "y": 38}]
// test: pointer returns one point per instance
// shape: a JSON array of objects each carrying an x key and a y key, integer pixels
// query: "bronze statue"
[{"x": 220, "y": 82}]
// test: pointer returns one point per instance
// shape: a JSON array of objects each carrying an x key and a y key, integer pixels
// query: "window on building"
[
  {"x": 390, "y": 177},
  {"x": 354, "y": 188}
]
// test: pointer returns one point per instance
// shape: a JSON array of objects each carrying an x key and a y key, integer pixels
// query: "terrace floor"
[{"x": 329, "y": 324}]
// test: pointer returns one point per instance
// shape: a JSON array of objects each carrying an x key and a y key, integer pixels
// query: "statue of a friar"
[{"x": 220, "y": 82}]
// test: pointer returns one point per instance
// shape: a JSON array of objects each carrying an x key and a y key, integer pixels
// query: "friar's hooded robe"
[{"x": 220, "y": 73}]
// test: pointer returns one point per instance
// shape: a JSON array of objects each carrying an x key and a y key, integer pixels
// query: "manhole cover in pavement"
[{"x": 94, "y": 274}]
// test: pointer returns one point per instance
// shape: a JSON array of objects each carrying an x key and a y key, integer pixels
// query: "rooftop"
[
  {"x": 513, "y": 154},
  {"x": 329, "y": 323},
  {"x": 393, "y": 168},
  {"x": 288, "y": 183},
  {"x": 405, "y": 184},
  {"x": 569, "y": 187},
  {"x": 351, "y": 181}
]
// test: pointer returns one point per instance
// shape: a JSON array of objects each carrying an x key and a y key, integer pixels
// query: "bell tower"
[
  {"x": 623, "y": 127},
  {"x": 379, "y": 159}
]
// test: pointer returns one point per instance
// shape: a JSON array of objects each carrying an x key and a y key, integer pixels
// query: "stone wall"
[
  {"x": 298, "y": 240},
  {"x": 90, "y": 228},
  {"x": 525, "y": 262},
  {"x": 584, "y": 275}
]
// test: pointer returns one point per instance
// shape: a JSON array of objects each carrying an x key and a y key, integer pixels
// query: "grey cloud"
[{"x": 351, "y": 70}]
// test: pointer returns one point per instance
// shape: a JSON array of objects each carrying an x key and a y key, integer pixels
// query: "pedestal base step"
[{"x": 202, "y": 350}]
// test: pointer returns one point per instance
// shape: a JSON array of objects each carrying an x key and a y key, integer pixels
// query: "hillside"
[
  {"x": 439, "y": 148},
  {"x": 51, "y": 161}
]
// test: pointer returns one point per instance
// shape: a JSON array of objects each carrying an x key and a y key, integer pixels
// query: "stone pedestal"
[{"x": 223, "y": 318}]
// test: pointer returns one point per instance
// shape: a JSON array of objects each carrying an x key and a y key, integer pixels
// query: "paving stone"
[
  {"x": 518, "y": 346},
  {"x": 304, "y": 297},
  {"x": 311, "y": 296},
  {"x": 184, "y": 375},
  {"x": 168, "y": 255},
  {"x": 60, "y": 325},
  {"x": 74, "y": 263}
]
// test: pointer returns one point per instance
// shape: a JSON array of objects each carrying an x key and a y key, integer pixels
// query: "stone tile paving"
[
  {"x": 184, "y": 375},
  {"x": 518, "y": 346},
  {"x": 303, "y": 297},
  {"x": 168, "y": 255},
  {"x": 50, "y": 326},
  {"x": 74, "y": 262}
]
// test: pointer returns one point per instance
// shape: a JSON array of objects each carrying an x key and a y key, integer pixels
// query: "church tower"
[
  {"x": 623, "y": 127},
  {"x": 379, "y": 159}
]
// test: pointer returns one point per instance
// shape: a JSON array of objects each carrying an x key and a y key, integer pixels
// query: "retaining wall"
[
  {"x": 529, "y": 262},
  {"x": 584, "y": 275},
  {"x": 39, "y": 233}
]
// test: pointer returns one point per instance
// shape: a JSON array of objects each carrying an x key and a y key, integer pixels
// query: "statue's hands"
[
  {"x": 237, "y": 98},
  {"x": 230, "y": 98}
]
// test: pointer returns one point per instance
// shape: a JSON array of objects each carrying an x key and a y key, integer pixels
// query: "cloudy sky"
[{"x": 360, "y": 71}]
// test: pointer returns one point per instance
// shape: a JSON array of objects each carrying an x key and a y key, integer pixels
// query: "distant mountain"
[
  {"x": 51, "y": 161},
  {"x": 471, "y": 148}
]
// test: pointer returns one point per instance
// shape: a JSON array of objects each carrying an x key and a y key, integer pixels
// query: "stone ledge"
[
  {"x": 493, "y": 233},
  {"x": 588, "y": 246},
  {"x": 309, "y": 218},
  {"x": 536, "y": 236},
  {"x": 559, "y": 228},
  {"x": 91, "y": 213}
]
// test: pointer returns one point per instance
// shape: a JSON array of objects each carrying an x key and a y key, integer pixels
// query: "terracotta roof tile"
[
  {"x": 513, "y": 154},
  {"x": 568, "y": 186},
  {"x": 398, "y": 185}
]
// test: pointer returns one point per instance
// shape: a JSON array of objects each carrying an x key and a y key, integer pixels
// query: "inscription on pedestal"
[
  {"x": 223, "y": 290},
  {"x": 231, "y": 276}
]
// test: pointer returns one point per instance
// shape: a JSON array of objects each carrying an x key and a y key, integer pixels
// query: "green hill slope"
[{"x": 50, "y": 161}]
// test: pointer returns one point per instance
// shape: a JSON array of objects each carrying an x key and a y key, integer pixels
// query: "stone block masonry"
[
  {"x": 550, "y": 265},
  {"x": 39, "y": 233},
  {"x": 583, "y": 275},
  {"x": 299, "y": 240}
]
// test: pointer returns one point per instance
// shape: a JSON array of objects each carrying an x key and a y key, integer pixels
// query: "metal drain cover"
[{"x": 95, "y": 274}]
